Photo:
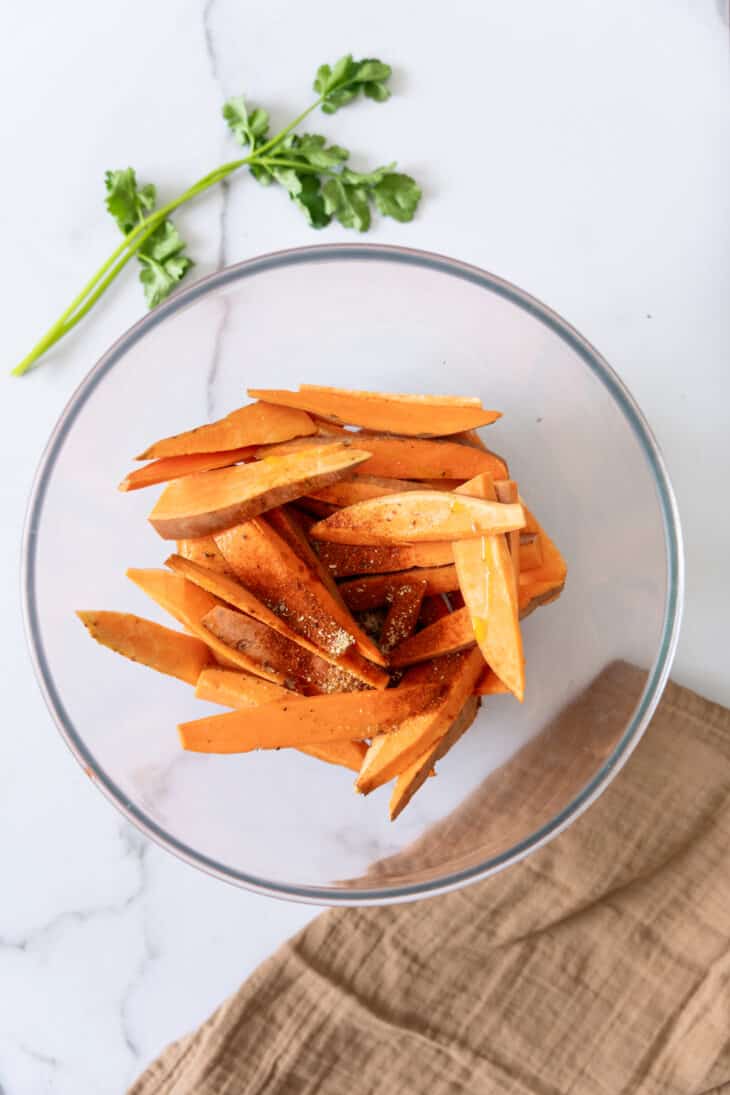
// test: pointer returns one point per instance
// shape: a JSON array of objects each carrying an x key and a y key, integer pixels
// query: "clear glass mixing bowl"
[{"x": 390, "y": 319}]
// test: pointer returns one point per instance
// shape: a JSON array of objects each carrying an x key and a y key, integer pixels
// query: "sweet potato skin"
[
  {"x": 210, "y": 501},
  {"x": 151, "y": 644}
]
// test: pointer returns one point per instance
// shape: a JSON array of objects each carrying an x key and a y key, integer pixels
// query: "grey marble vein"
[
  {"x": 221, "y": 257},
  {"x": 138, "y": 847}
]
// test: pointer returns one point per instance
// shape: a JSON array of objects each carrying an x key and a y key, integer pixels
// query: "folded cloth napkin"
[{"x": 600, "y": 965}]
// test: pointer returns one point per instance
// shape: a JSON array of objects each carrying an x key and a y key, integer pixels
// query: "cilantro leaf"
[
  {"x": 343, "y": 82},
  {"x": 161, "y": 253},
  {"x": 349, "y": 204},
  {"x": 249, "y": 129},
  {"x": 397, "y": 196}
]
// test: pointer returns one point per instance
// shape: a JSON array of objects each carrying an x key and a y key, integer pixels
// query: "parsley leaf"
[
  {"x": 249, "y": 129},
  {"x": 161, "y": 253},
  {"x": 397, "y": 196},
  {"x": 343, "y": 82}
]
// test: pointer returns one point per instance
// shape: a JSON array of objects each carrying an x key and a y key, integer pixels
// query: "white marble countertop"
[{"x": 578, "y": 148}]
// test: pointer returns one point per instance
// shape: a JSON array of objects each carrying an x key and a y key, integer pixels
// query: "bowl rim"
[{"x": 658, "y": 674}]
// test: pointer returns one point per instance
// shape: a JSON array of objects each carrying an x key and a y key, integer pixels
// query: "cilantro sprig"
[{"x": 314, "y": 174}]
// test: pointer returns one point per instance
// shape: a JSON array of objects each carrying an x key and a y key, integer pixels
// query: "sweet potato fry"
[
  {"x": 345, "y": 560},
  {"x": 353, "y": 716},
  {"x": 373, "y": 590},
  {"x": 487, "y": 582},
  {"x": 414, "y": 415},
  {"x": 418, "y": 516},
  {"x": 553, "y": 567},
  {"x": 360, "y": 489},
  {"x": 189, "y": 603},
  {"x": 203, "y": 550},
  {"x": 264, "y": 562},
  {"x": 490, "y": 684},
  {"x": 506, "y": 491},
  {"x": 241, "y": 691},
  {"x": 433, "y": 608},
  {"x": 254, "y": 424},
  {"x": 286, "y": 523},
  {"x": 211, "y": 501},
  {"x": 313, "y": 507},
  {"x": 452, "y": 632},
  {"x": 301, "y": 670},
  {"x": 174, "y": 467},
  {"x": 404, "y": 457},
  {"x": 390, "y": 754},
  {"x": 151, "y": 644},
  {"x": 530, "y": 552},
  {"x": 402, "y": 616},
  {"x": 415, "y": 775},
  {"x": 237, "y": 689},
  {"x": 539, "y": 593}
]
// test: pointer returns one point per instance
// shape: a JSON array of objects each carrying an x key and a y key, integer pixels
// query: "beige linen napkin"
[{"x": 600, "y": 965}]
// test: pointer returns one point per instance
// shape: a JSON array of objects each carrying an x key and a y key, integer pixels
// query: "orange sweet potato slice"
[
  {"x": 349, "y": 491},
  {"x": 175, "y": 467},
  {"x": 553, "y": 567},
  {"x": 454, "y": 631},
  {"x": 433, "y": 608},
  {"x": 286, "y": 523},
  {"x": 390, "y": 754},
  {"x": 230, "y": 688},
  {"x": 189, "y": 603},
  {"x": 203, "y": 550},
  {"x": 490, "y": 684},
  {"x": 151, "y": 644},
  {"x": 487, "y": 583},
  {"x": 255, "y": 424},
  {"x": 415, "y": 775},
  {"x": 268, "y": 567},
  {"x": 530, "y": 552},
  {"x": 404, "y": 457},
  {"x": 352, "y": 716},
  {"x": 301, "y": 670},
  {"x": 402, "y": 616},
  {"x": 211, "y": 501},
  {"x": 413, "y": 415},
  {"x": 344, "y": 560},
  {"x": 363, "y": 593},
  {"x": 418, "y": 516},
  {"x": 506, "y": 491}
]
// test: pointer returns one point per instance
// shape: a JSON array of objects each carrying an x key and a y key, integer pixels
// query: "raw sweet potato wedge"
[
  {"x": 487, "y": 582},
  {"x": 415, "y": 775},
  {"x": 414, "y": 415},
  {"x": 301, "y": 670},
  {"x": 390, "y": 754},
  {"x": 418, "y": 516},
  {"x": 359, "y": 489},
  {"x": 314, "y": 508},
  {"x": 254, "y": 424},
  {"x": 454, "y": 631},
  {"x": 353, "y": 716},
  {"x": 289, "y": 527},
  {"x": 553, "y": 567},
  {"x": 189, "y": 603},
  {"x": 345, "y": 560},
  {"x": 539, "y": 593},
  {"x": 402, "y": 617},
  {"x": 406, "y": 458},
  {"x": 433, "y": 608},
  {"x": 530, "y": 552},
  {"x": 268, "y": 567},
  {"x": 210, "y": 501},
  {"x": 373, "y": 590},
  {"x": 231, "y": 592},
  {"x": 175, "y": 467},
  {"x": 230, "y": 688},
  {"x": 490, "y": 684},
  {"x": 506, "y": 491},
  {"x": 148, "y": 643},
  {"x": 204, "y": 551}
]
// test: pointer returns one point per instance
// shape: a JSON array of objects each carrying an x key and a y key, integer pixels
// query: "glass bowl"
[{"x": 390, "y": 319}]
